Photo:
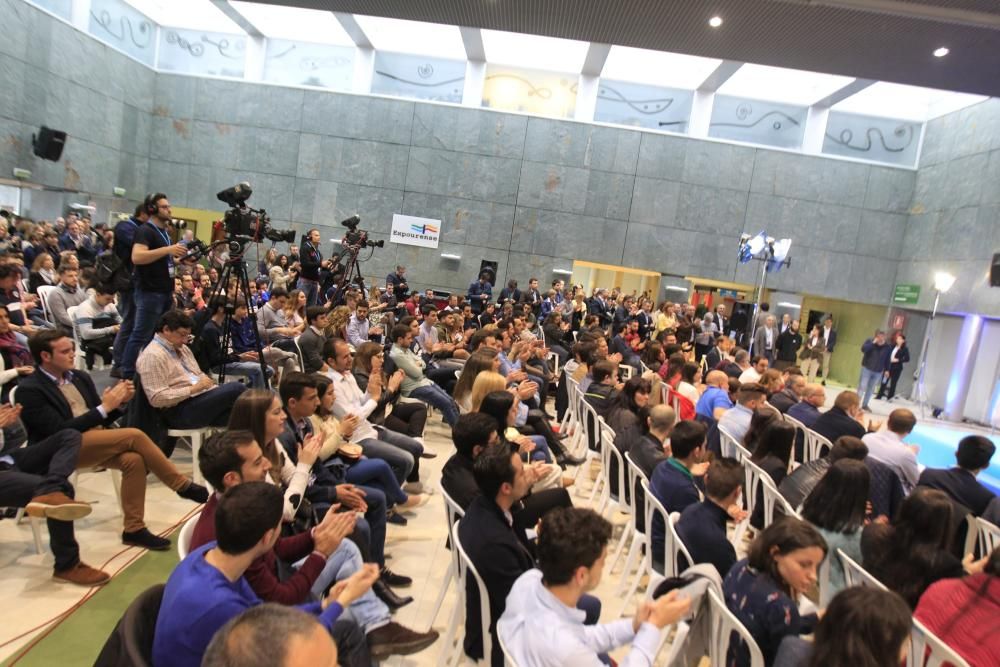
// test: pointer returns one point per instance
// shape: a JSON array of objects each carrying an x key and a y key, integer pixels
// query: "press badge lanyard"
[{"x": 170, "y": 258}]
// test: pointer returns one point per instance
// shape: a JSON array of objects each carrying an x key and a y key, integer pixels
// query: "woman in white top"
[
  {"x": 278, "y": 273},
  {"x": 260, "y": 412}
]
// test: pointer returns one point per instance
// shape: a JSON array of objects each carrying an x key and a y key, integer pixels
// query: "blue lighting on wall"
[{"x": 958, "y": 385}]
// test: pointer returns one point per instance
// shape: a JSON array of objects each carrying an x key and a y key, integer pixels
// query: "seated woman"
[
  {"x": 16, "y": 357},
  {"x": 408, "y": 417},
  {"x": 507, "y": 411},
  {"x": 762, "y": 590},
  {"x": 912, "y": 552},
  {"x": 863, "y": 627},
  {"x": 43, "y": 273},
  {"x": 653, "y": 356},
  {"x": 963, "y": 612},
  {"x": 836, "y": 507},
  {"x": 483, "y": 359},
  {"x": 772, "y": 453},
  {"x": 337, "y": 450},
  {"x": 558, "y": 336}
]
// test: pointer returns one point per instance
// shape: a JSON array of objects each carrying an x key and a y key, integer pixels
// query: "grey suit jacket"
[{"x": 760, "y": 340}]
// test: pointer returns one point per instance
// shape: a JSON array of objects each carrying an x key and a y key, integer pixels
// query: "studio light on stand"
[
  {"x": 772, "y": 255},
  {"x": 943, "y": 282}
]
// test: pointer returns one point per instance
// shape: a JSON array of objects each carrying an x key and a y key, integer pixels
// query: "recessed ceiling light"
[
  {"x": 941, "y": 52},
  {"x": 715, "y": 21}
]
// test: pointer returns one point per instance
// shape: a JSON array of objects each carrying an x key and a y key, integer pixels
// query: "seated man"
[
  {"x": 715, "y": 400},
  {"x": 208, "y": 588},
  {"x": 796, "y": 486},
  {"x": 243, "y": 338},
  {"x": 973, "y": 456},
  {"x": 702, "y": 526},
  {"x": 55, "y": 397},
  {"x": 603, "y": 388},
  {"x": 541, "y": 627},
  {"x": 270, "y": 634},
  {"x": 844, "y": 418},
  {"x": 654, "y": 446},
  {"x": 272, "y": 325},
  {"x": 401, "y": 452},
  {"x": 67, "y": 295},
  {"x": 212, "y": 358},
  {"x": 790, "y": 395},
  {"x": 676, "y": 481},
  {"x": 888, "y": 447},
  {"x": 176, "y": 385},
  {"x": 358, "y": 330},
  {"x": 319, "y": 557},
  {"x": 736, "y": 420},
  {"x": 807, "y": 410},
  {"x": 98, "y": 320},
  {"x": 416, "y": 384},
  {"x": 312, "y": 339},
  {"x": 37, "y": 478}
]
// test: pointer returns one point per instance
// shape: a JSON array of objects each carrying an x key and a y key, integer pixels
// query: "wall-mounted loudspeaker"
[
  {"x": 995, "y": 271},
  {"x": 48, "y": 143}
]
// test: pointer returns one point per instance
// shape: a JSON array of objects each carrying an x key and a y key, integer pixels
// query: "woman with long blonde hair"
[{"x": 484, "y": 359}]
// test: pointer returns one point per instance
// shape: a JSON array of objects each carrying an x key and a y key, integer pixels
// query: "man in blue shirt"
[
  {"x": 702, "y": 526},
  {"x": 715, "y": 401},
  {"x": 736, "y": 421},
  {"x": 675, "y": 482},
  {"x": 208, "y": 588}
]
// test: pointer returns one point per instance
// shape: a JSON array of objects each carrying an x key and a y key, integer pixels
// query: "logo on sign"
[
  {"x": 424, "y": 229},
  {"x": 411, "y": 230}
]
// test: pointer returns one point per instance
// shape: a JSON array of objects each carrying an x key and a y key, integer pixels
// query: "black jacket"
[
  {"x": 702, "y": 528},
  {"x": 960, "y": 485},
  {"x": 45, "y": 410},
  {"x": 835, "y": 423},
  {"x": 500, "y": 558},
  {"x": 788, "y": 345},
  {"x": 310, "y": 260},
  {"x": 783, "y": 400}
]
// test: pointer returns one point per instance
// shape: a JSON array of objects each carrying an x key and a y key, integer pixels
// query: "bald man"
[
  {"x": 272, "y": 634},
  {"x": 888, "y": 447},
  {"x": 715, "y": 400},
  {"x": 807, "y": 410}
]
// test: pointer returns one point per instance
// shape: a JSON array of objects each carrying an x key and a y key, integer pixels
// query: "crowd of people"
[{"x": 305, "y": 478}]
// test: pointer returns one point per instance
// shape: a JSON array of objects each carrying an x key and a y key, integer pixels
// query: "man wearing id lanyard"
[{"x": 153, "y": 256}]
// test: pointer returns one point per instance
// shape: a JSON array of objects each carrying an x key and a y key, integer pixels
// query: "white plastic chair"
[
  {"x": 731, "y": 447},
  {"x": 36, "y": 528},
  {"x": 640, "y": 539},
  {"x": 195, "y": 437},
  {"x": 508, "y": 659},
  {"x": 80, "y": 357},
  {"x": 465, "y": 568},
  {"x": 757, "y": 480},
  {"x": 855, "y": 575},
  {"x": 672, "y": 545},
  {"x": 116, "y": 481},
  {"x": 922, "y": 639},
  {"x": 814, "y": 445},
  {"x": 453, "y": 512},
  {"x": 449, "y": 652},
  {"x": 982, "y": 536},
  {"x": 44, "y": 291},
  {"x": 184, "y": 536},
  {"x": 611, "y": 499},
  {"x": 800, "y": 432},
  {"x": 626, "y": 371},
  {"x": 590, "y": 422},
  {"x": 724, "y": 624}
]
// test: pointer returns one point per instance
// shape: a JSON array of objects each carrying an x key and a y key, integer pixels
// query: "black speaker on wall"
[
  {"x": 48, "y": 143},
  {"x": 995, "y": 271}
]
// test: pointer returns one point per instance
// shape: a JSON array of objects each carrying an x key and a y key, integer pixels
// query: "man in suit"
[
  {"x": 622, "y": 316},
  {"x": 312, "y": 339},
  {"x": 960, "y": 483},
  {"x": 721, "y": 319},
  {"x": 844, "y": 418},
  {"x": 510, "y": 293},
  {"x": 765, "y": 340},
  {"x": 532, "y": 296},
  {"x": 480, "y": 292},
  {"x": 830, "y": 336},
  {"x": 56, "y": 397},
  {"x": 598, "y": 305},
  {"x": 807, "y": 410},
  {"x": 397, "y": 282}
]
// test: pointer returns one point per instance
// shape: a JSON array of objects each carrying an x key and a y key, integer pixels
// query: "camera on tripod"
[
  {"x": 248, "y": 224},
  {"x": 358, "y": 237}
]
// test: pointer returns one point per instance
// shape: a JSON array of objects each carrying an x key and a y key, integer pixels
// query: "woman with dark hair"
[
  {"x": 653, "y": 356},
  {"x": 864, "y": 626},
  {"x": 408, "y": 418},
  {"x": 488, "y": 316},
  {"x": 627, "y": 415},
  {"x": 762, "y": 590},
  {"x": 558, "y": 336},
  {"x": 772, "y": 453},
  {"x": 279, "y": 275},
  {"x": 16, "y": 357},
  {"x": 758, "y": 422},
  {"x": 912, "y": 552},
  {"x": 836, "y": 507},
  {"x": 965, "y": 613}
]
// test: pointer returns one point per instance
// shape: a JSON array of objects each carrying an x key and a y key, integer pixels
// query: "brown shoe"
[
  {"x": 82, "y": 574},
  {"x": 394, "y": 639},
  {"x": 57, "y": 505}
]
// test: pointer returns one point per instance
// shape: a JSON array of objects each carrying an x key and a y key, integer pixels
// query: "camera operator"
[
  {"x": 124, "y": 238},
  {"x": 153, "y": 256},
  {"x": 310, "y": 262}
]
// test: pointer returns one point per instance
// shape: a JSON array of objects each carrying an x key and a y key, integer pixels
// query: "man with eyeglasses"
[
  {"x": 174, "y": 383},
  {"x": 153, "y": 255}
]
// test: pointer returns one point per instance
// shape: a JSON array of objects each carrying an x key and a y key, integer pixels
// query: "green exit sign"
[{"x": 907, "y": 295}]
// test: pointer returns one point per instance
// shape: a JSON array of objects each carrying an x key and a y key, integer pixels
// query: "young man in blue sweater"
[{"x": 207, "y": 589}]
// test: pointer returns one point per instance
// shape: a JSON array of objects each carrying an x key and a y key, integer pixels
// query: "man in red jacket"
[{"x": 319, "y": 557}]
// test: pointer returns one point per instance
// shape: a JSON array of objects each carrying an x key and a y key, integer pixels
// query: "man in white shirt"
[
  {"x": 755, "y": 371},
  {"x": 358, "y": 331},
  {"x": 888, "y": 447},
  {"x": 541, "y": 625},
  {"x": 401, "y": 452}
]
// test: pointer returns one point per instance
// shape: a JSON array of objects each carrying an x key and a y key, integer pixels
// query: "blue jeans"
[
  {"x": 311, "y": 290},
  {"x": 373, "y": 527},
  {"x": 436, "y": 396},
  {"x": 149, "y": 306},
  {"x": 541, "y": 451},
  {"x": 248, "y": 369},
  {"x": 209, "y": 409},
  {"x": 866, "y": 385},
  {"x": 377, "y": 473},
  {"x": 126, "y": 307},
  {"x": 368, "y": 611}
]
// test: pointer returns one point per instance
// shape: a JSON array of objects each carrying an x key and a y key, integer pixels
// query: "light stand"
[
  {"x": 765, "y": 257},
  {"x": 942, "y": 283}
]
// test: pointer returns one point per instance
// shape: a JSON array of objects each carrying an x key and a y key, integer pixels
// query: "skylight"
[
  {"x": 777, "y": 84},
  {"x": 657, "y": 68},
  {"x": 189, "y": 14},
  {"x": 894, "y": 100},
  {"x": 426, "y": 39},
  {"x": 294, "y": 23},
  {"x": 534, "y": 52}
]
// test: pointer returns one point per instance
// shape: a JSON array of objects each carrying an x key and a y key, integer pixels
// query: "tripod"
[
  {"x": 351, "y": 274},
  {"x": 234, "y": 266}
]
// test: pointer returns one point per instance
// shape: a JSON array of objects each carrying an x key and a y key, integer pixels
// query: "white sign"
[{"x": 409, "y": 230}]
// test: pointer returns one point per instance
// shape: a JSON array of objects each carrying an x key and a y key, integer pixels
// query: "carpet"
[{"x": 78, "y": 639}]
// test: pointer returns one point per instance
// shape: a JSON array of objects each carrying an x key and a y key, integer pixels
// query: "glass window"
[
  {"x": 894, "y": 100},
  {"x": 872, "y": 138},
  {"x": 657, "y": 68},
  {"x": 426, "y": 39},
  {"x": 190, "y": 14},
  {"x": 534, "y": 52},
  {"x": 627, "y": 103},
  {"x": 530, "y": 91},
  {"x": 201, "y": 52},
  {"x": 418, "y": 77},
  {"x": 294, "y": 24},
  {"x": 295, "y": 63},
  {"x": 757, "y": 122},
  {"x": 788, "y": 86},
  {"x": 122, "y": 26},
  {"x": 63, "y": 8}
]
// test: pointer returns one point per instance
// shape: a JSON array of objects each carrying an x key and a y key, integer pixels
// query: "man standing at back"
[
  {"x": 310, "y": 261},
  {"x": 480, "y": 292},
  {"x": 830, "y": 337}
]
